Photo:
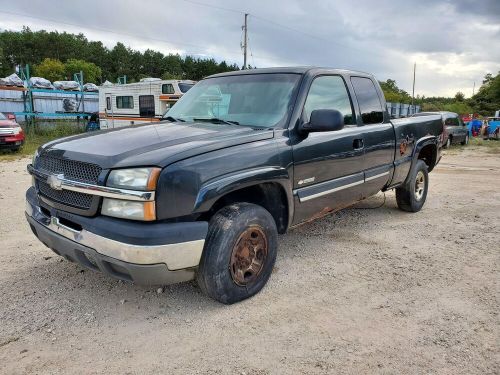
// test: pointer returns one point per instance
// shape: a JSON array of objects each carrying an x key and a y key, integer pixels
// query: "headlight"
[
  {"x": 129, "y": 209},
  {"x": 134, "y": 179},
  {"x": 17, "y": 130}
]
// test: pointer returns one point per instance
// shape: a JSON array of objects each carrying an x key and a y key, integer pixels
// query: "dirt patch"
[{"x": 360, "y": 291}]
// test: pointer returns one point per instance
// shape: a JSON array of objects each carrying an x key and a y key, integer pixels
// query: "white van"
[{"x": 141, "y": 102}]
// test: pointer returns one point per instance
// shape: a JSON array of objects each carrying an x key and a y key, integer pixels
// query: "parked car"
[
  {"x": 241, "y": 157},
  {"x": 455, "y": 130},
  {"x": 11, "y": 133}
]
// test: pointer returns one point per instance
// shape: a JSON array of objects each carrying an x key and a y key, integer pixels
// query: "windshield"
[
  {"x": 2, "y": 116},
  {"x": 258, "y": 100}
]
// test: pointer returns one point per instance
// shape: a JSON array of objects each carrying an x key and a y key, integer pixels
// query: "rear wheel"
[
  {"x": 239, "y": 254},
  {"x": 412, "y": 195}
]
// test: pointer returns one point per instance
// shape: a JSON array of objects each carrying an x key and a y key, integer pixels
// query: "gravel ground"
[{"x": 361, "y": 291}]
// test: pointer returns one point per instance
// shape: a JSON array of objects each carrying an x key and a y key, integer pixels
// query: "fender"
[
  {"x": 420, "y": 144},
  {"x": 216, "y": 188}
]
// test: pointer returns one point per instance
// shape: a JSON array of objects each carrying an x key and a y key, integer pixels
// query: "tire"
[
  {"x": 412, "y": 195},
  {"x": 465, "y": 142},
  {"x": 448, "y": 143},
  {"x": 238, "y": 235},
  {"x": 15, "y": 149}
]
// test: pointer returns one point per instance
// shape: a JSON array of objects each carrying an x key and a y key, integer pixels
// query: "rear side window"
[
  {"x": 452, "y": 121},
  {"x": 368, "y": 99},
  {"x": 167, "y": 88},
  {"x": 329, "y": 92},
  {"x": 124, "y": 102}
]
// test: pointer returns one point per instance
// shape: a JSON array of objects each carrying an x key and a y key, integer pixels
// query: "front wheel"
[
  {"x": 465, "y": 141},
  {"x": 239, "y": 254},
  {"x": 411, "y": 196}
]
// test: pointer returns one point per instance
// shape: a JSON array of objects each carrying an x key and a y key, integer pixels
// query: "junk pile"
[
  {"x": 41, "y": 83},
  {"x": 67, "y": 85},
  {"x": 69, "y": 105},
  {"x": 12, "y": 80}
]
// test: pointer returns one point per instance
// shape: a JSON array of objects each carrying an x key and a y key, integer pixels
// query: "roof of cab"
[{"x": 292, "y": 70}]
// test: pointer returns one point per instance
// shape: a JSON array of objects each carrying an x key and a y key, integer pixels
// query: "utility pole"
[
  {"x": 413, "y": 91},
  {"x": 245, "y": 42},
  {"x": 474, "y": 88}
]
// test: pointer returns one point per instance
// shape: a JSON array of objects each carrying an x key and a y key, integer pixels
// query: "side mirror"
[{"x": 324, "y": 120}]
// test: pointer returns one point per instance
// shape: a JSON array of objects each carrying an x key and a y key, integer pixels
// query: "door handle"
[{"x": 358, "y": 144}]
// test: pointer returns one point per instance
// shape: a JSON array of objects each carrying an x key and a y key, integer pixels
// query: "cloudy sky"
[{"x": 454, "y": 42}]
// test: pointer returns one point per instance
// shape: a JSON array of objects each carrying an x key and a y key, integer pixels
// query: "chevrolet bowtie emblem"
[{"x": 55, "y": 181}]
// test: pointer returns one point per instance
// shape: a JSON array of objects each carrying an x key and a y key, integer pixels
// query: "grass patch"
[
  {"x": 39, "y": 135},
  {"x": 490, "y": 146}
]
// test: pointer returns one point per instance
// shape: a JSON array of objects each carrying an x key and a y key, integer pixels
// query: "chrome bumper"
[{"x": 176, "y": 256}]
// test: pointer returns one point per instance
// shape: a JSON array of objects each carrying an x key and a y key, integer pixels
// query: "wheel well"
[
  {"x": 270, "y": 195},
  {"x": 428, "y": 155}
]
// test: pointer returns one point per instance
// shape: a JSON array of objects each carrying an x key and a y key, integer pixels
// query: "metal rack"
[{"x": 29, "y": 96}]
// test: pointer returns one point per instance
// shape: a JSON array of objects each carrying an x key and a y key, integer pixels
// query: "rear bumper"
[{"x": 174, "y": 260}]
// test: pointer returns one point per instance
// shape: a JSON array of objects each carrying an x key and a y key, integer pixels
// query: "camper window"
[
  {"x": 108, "y": 103},
  {"x": 167, "y": 88},
  {"x": 124, "y": 102},
  {"x": 184, "y": 87}
]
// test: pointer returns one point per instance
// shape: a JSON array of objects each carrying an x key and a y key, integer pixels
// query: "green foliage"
[
  {"x": 91, "y": 72},
  {"x": 32, "y": 47},
  {"x": 51, "y": 69},
  {"x": 487, "y": 99},
  {"x": 459, "y": 96},
  {"x": 393, "y": 93}
]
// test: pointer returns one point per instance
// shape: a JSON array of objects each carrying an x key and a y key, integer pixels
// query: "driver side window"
[{"x": 329, "y": 92}]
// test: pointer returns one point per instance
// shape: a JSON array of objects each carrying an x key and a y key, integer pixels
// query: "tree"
[
  {"x": 487, "y": 99},
  {"x": 51, "y": 69},
  {"x": 459, "y": 96},
  {"x": 393, "y": 93},
  {"x": 91, "y": 72}
]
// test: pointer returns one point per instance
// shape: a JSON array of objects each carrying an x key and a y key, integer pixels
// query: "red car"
[{"x": 11, "y": 134}]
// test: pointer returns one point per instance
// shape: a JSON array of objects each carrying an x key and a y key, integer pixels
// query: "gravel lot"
[{"x": 361, "y": 291}]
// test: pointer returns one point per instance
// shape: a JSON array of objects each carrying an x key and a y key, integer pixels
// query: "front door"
[{"x": 328, "y": 166}]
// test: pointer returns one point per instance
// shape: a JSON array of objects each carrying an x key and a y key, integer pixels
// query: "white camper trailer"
[{"x": 136, "y": 103}]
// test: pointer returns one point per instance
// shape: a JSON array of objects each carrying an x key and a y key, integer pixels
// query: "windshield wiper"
[
  {"x": 216, "y": 120},
  {"x": 173, "y": 119}
]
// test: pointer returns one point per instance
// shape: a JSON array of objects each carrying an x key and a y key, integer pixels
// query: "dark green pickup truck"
[{"x": 241, "y": 157}]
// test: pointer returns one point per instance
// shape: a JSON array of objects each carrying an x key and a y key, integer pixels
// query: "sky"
[{"x": 454, "y": 43}]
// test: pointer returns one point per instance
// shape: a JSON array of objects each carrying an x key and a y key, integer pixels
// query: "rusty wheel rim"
[{"x": 248, "y": 256}]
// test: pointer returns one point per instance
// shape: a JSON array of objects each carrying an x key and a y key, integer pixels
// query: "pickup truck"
[
  {"x": 455, "y": 130},
  {"x": 241, "y": 157}
]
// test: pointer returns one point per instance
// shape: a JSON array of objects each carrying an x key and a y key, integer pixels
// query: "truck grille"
[
  {"x": 67, "y": 197},
  {"x": 72, "y": 170}
]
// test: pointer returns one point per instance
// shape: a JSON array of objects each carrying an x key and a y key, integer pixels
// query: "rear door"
[
  {"x": 328, "y": 168},
  {"x": 378, "y": 135}
]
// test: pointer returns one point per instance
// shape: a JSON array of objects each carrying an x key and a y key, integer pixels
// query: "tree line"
[{"x": 56, "y": 56}]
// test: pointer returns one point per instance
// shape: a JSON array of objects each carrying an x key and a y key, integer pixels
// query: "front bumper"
[{"x": 139, "y": 260}]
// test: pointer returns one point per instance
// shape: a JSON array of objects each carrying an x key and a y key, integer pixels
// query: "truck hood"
[{"x": 158, "y": 144}]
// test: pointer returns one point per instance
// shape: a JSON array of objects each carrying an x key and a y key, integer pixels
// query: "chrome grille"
[
  {"x": 67, "y": 197},
  {"x": 72, "y": 169}
]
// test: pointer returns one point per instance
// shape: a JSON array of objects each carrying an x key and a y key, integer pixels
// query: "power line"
[
  {"x": 213, "y": 6},
  {"x": 330, "y": 41},
  {"x": 180, "y": 44}
]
